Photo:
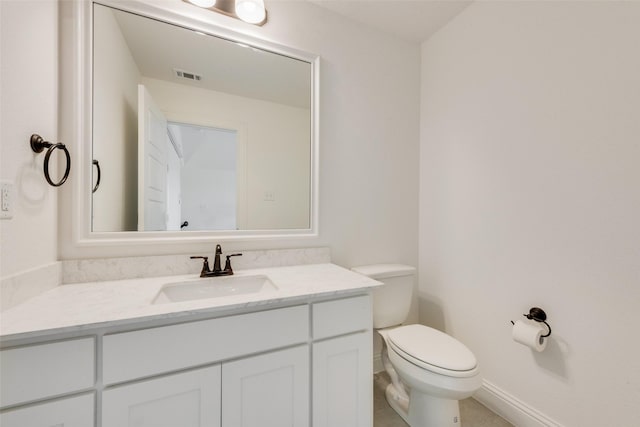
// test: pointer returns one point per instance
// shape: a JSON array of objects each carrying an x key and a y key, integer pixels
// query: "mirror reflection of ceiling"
[{"x": 158, "y": 49}]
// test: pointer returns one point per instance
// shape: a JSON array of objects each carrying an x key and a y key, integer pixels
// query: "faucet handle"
[
  {"x": 205, "y": 264},
  {"x": 227, "y": 264}
]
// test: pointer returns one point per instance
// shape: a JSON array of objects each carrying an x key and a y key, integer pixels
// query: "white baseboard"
[{"x": 512, "y": 409}]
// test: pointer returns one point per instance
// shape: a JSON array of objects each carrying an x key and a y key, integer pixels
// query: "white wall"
[
  {"x": 368, "y": 133},
  {"x": 28, "y": 103},
  {"x": 530, "y": 196},
  {"x": 115, "y": 127}
]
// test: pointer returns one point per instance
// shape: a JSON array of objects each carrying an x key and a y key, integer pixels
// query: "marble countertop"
[{"x": 76, "y": 307}]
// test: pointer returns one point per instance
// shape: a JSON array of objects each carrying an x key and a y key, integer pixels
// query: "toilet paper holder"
[{"x": 537, "y": 314}]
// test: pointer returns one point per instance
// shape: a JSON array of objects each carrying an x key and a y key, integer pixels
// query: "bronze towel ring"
[{"x": 38, "y": 144}]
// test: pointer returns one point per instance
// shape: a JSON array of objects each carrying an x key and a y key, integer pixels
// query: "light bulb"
[
  {"x": 251, "y": 11},
  {"x": 203, "y": 3}
]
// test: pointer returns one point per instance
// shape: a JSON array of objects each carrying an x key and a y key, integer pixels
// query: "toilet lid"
[{"x": 431, "y": 348}]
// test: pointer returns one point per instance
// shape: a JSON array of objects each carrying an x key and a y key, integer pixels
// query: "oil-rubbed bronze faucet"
[{"x": 217, "y": 270}]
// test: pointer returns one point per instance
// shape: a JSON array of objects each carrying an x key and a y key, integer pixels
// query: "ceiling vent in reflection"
[{"x": 187, "y": 75}]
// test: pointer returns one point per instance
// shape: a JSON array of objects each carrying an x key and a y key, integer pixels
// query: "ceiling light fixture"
[{"x": 250, "y": 11}]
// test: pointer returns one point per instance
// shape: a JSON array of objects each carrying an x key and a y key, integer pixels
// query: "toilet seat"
[{"x": 433, "y": 350}]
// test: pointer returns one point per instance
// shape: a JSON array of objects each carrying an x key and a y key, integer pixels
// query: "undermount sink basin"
[{"x": 214, "y": 287}]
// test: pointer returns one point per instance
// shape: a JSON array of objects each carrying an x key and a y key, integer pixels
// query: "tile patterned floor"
[{"x": 473, "y": 414}]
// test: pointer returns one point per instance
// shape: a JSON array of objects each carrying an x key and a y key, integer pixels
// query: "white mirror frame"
[{"x": 77, "y": 72}]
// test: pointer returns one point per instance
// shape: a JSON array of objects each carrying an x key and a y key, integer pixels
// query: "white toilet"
[{"x": 430, "y": 371}]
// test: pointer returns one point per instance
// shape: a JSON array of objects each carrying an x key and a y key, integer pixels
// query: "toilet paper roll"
[{"x": 530, "y": 333}]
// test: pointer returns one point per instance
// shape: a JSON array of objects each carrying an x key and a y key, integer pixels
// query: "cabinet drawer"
[
  {"x": 343, "y": 316},
  {"x": 153, "y": 351},
  {"x": 70, "y": 412},
  {"x": 39, "y": 371}
]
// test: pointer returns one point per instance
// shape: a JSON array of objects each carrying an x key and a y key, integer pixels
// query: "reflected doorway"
[{"x": 202, "y": 184}]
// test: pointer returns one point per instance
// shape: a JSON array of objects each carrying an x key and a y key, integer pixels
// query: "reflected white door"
[
  {"x": 210, "y": 177},
  {"x": 153, "y": 142},
  {"x": 174, "y": 193}
]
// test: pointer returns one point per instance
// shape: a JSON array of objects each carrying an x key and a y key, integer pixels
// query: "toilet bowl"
[
  {"x": 430, "y": 371},
  {"x": 434, "y": 370}
]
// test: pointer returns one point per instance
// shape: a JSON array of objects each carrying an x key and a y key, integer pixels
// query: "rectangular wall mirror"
[{"x": 196, "y": 133}]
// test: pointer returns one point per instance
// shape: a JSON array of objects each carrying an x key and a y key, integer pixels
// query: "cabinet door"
[
  {"x": 343, "y": 381},
  {"x": 69, "y": 412},
  {"x": 187, "y": 399},
  {"x": 269, "y": 390}
]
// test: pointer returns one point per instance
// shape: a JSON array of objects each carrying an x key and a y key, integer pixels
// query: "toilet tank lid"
[{"x": 383, "y": 271}]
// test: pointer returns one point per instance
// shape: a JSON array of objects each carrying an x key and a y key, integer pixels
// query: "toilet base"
[
  {"x": 422, "y": 410},
  {"x": 399, "y": 403},
  {"x": 430, "y": 411}
]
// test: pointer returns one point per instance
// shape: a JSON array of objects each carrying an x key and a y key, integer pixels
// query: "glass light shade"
[
  {"x": 203, "y": 3},
  {"x": 251, "y": 11}
]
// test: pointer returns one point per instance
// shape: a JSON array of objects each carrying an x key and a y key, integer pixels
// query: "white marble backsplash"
[
  {"x": 18, "y": 288},
  {"x": 98, "y": 270}
]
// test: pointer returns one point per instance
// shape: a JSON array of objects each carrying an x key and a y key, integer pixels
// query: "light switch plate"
[{"x": 6, "y": 199}]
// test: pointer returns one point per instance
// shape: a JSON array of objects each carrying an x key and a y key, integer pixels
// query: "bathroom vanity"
[
  {"x": 292, "y": 348},
  {"x": 297, "y": 356}
]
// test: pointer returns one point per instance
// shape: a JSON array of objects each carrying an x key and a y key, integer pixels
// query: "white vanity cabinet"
[
  {"x": 304, "y": 365},
  {"x": 243, "y": 390}
]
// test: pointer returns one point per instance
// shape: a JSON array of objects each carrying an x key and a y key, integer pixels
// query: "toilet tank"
[{"x": 392, "y": 301}]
